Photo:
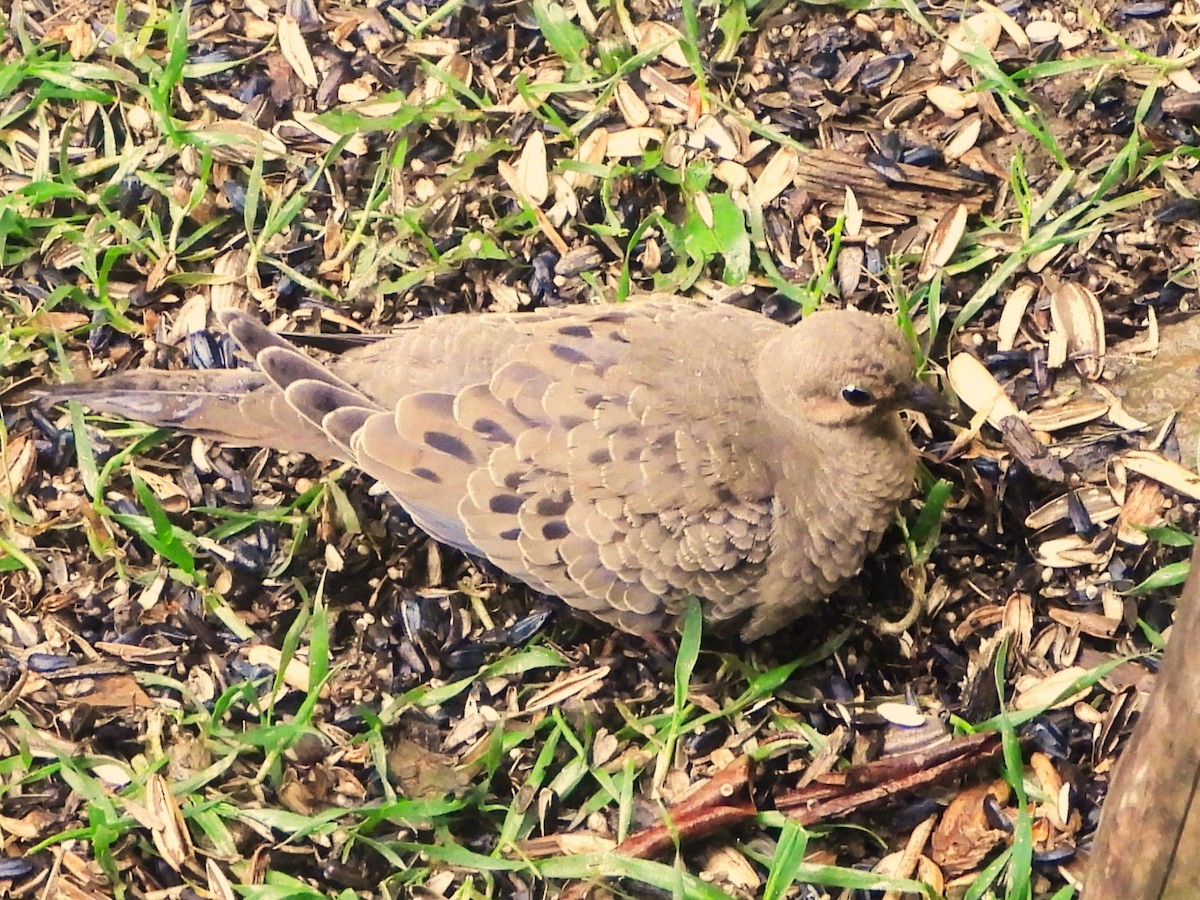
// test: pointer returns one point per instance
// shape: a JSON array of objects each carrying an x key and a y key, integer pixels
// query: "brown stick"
[
  {"x": 827, "y": 173},
  {"x": 725, "y": 800},
  {"x": 877, "y": 782},
  {"x": 720, "y": 802},
  {"x": 1148, "y": 845}
]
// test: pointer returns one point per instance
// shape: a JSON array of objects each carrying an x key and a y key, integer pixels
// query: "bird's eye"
[{"x": 857, "y": 396}]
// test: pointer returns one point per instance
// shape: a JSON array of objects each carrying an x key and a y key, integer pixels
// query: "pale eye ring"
[{"x": 856, "y": 396}]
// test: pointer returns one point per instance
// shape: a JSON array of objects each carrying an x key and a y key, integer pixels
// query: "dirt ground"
[{"x": 231, "y": 672}]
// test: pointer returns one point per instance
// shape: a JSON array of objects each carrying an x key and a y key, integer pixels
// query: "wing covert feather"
[{"x": 568, "y": 470}]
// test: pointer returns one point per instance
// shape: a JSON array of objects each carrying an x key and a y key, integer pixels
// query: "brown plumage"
[{"x": 618, "y": 457}]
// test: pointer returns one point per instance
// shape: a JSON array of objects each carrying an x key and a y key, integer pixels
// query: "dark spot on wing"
[
  {"x": 568, "y": 354},
  {"x": 321, "y": 398},
  {"x": 599, "y": 457},
  {"x": 492, "y": 430},
  {"x": 579, "y": 331},
  {"x": 507, "y": 504},
  {"x": 450, "y": 445},
  {"x": 427, "y": 474},
  {"x": 616, "y": 317},
  {"x": 511, "y": 535},
  {"x": 547, "y": 507},
  {"x": 556, "y": 530}
]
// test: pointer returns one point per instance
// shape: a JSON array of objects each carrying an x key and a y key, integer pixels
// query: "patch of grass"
[
  {"x": 1171, "y": 574},
  {"x": 922, "y": 535},
  {"x": 1016, "y": 860}
]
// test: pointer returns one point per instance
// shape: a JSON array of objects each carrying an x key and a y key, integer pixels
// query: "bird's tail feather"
[
  {"x": 169, "y": 399},
  {"x": 233, "y": 406}
]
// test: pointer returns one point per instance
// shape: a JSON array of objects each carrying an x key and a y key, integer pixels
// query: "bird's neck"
[{"x": 867, "y": 468}]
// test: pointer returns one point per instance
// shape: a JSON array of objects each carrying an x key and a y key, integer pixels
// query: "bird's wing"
[{"x": 591, "y": 464}]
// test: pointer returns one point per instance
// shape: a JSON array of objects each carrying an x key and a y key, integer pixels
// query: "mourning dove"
[{"x": 619, "y": 457}]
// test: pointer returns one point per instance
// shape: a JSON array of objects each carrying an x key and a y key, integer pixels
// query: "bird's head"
[{"x": 841, "y": 368}]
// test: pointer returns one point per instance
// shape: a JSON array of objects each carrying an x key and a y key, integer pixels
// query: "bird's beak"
[{"x": 924, "y": 398}]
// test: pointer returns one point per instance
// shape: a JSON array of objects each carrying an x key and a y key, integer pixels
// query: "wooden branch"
[
  {"x": 827, "y": 173},
  {"x": 869, "y": 785},
  {"x": 1148, "y": 845},
  {"x": 726, "y": 799}
]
